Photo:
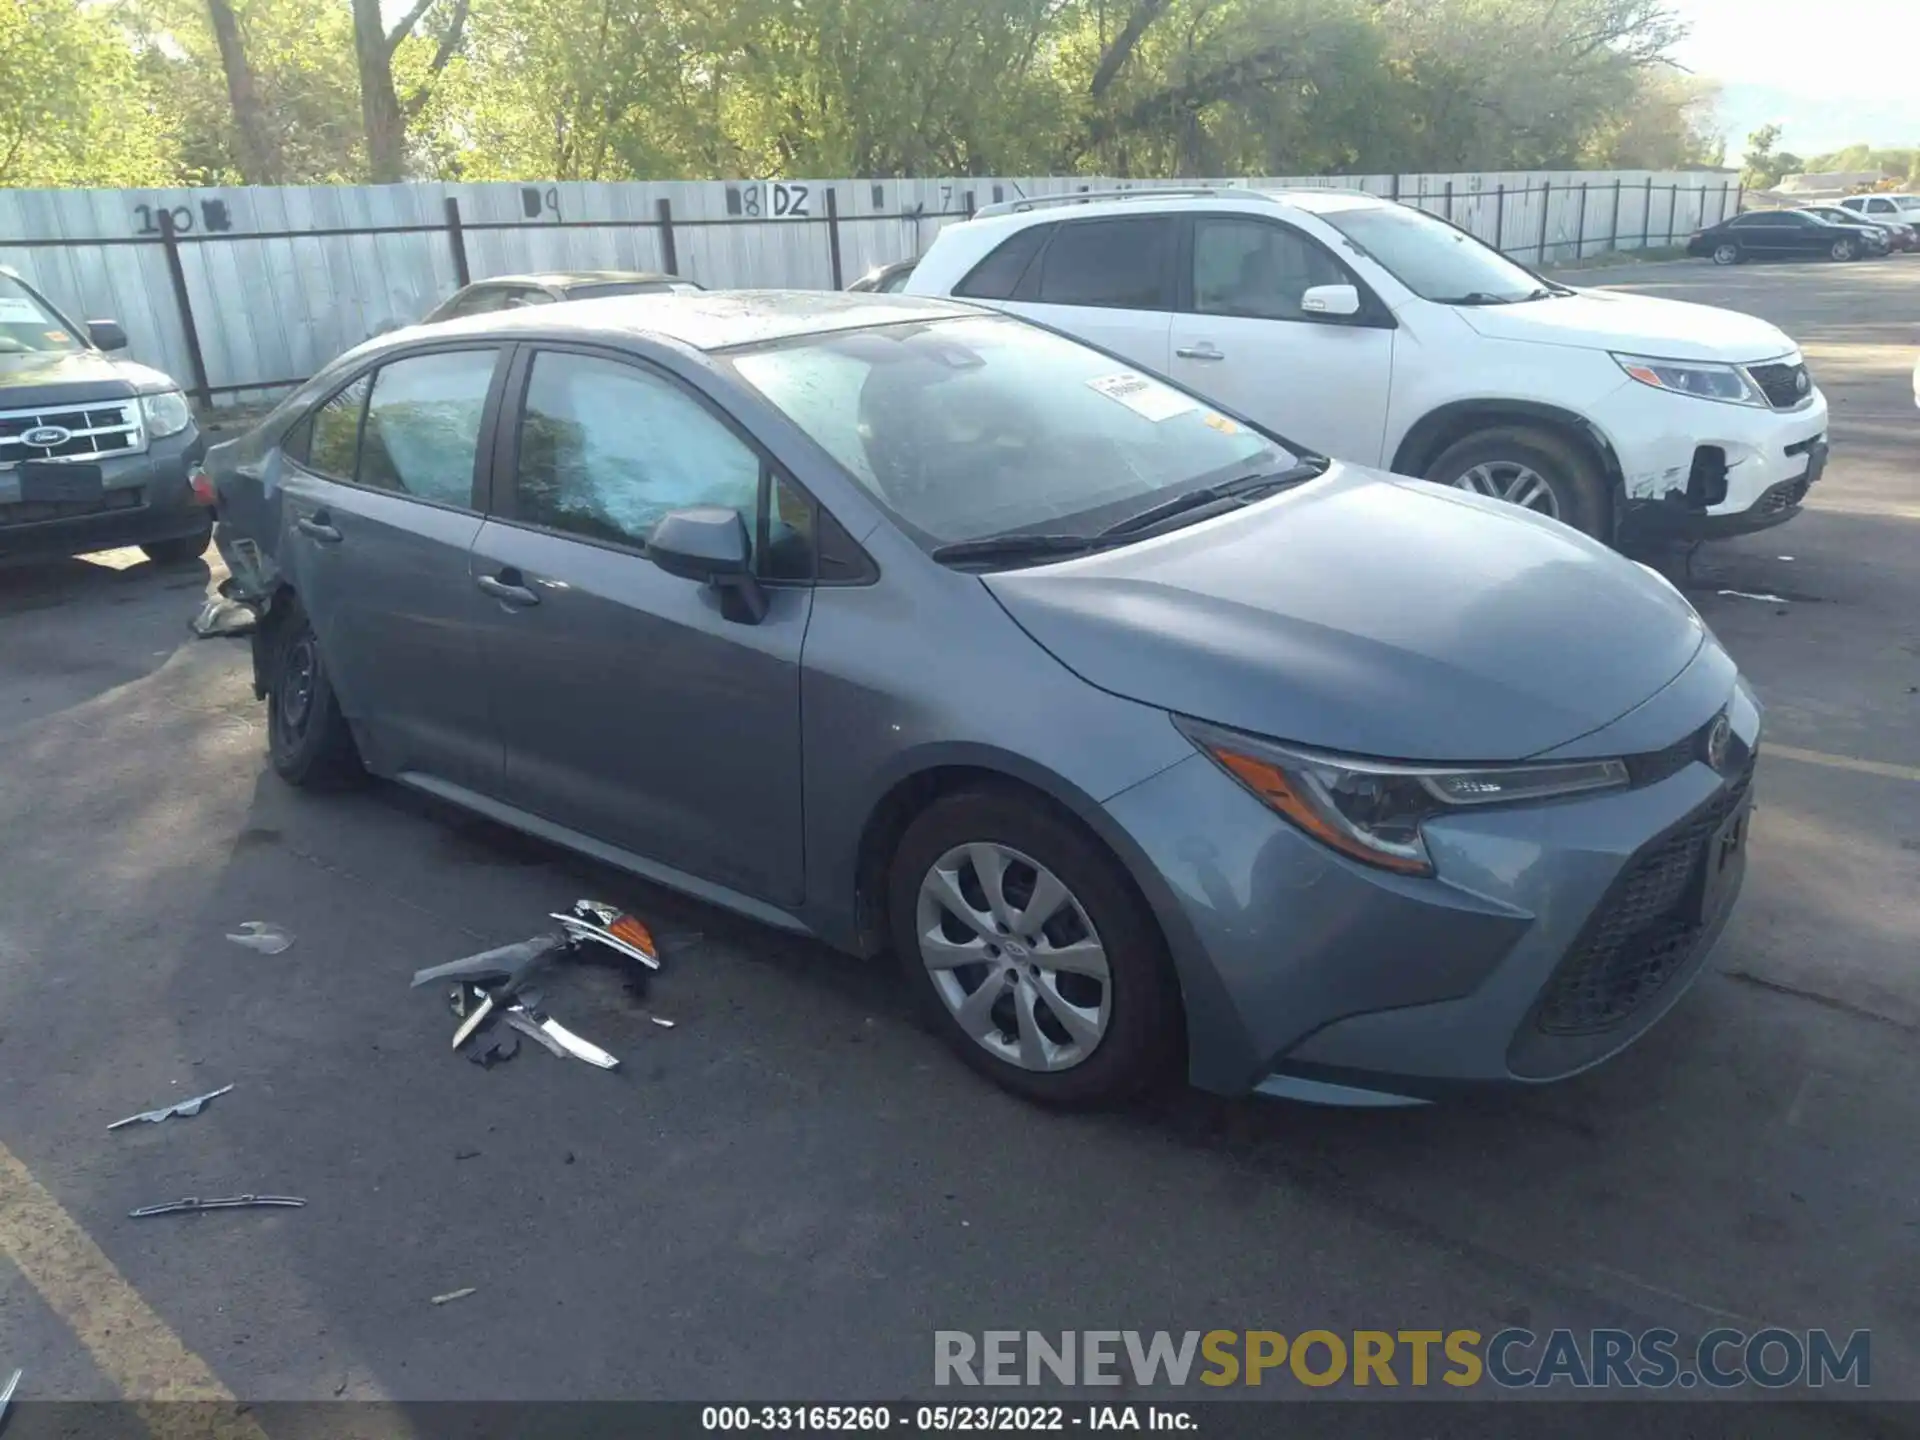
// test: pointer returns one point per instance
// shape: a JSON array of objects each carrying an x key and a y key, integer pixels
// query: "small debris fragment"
[
  {"x": 453, "y": 1295},
  {"x": 221, "y": 616},
  {"x": 340, "y": 1389},
  {"x": 569, "y": 1157},
  {"x": 166, "y": 1112},
  {"x": 262, "y": 935},
  {"x": 498, "y": 1050},
  {"x": 1784, "y": 557},
  {"x": 466, "y": 1154},
  {"x": 1745, "y": 595},
  {"x": 602, "y": 924},
  {"x": 663, "y": 1024},
  {"x": 193, "y": 1204}
]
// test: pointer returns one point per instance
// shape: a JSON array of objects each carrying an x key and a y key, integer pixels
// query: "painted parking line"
[
  {"x": 1883, "y": 768},
  {"x": 129, "y": 1343}
]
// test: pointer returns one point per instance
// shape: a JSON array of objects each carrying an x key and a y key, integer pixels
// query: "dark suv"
[{"x": 95, "y": 451}]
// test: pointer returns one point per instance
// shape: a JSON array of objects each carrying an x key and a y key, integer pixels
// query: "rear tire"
[
  {"x": 1533, "y": 468},
  {"x": 180, "y": 551},
  {"x": 1123, "y": 1034},
  {"x": 1726, "y": 253},
  {"x": 308, "y": 741}
]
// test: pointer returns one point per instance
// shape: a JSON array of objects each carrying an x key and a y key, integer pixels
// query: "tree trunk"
[
  {"x": 257, "y": 145},
  {"x": 386, "y": 126}
]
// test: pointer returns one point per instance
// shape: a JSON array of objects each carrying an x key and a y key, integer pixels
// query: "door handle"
[
  {"x": 1203, "y": 351},
  {"x": 506, "y": 592},
  {"x": 316, "y": 528}
]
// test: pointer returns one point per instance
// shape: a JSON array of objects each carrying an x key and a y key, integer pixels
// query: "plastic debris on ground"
[
  {"x": 194, "y": 1205},
  {"x": 452, "y": 1295},
  {"x": 493, "y": 989},
  {"x": 6, "y": 1393},
  {"x": 263, "y": 936},
  {"x": 167, "y": 1112},
  {"x": 1745, "y": 595},
  {"x": 221, "y": 616}
]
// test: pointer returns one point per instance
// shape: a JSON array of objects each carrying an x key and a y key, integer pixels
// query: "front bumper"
[
  {"x": 147, "y": 500},
  {"x": 1552, "y": 937},
  {"x": 1700, "y": 469}
]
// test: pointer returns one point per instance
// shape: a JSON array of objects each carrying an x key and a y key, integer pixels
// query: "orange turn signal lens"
[
  {"x": 1288, "y": 796},
  {"x": 635, "y": 934}
]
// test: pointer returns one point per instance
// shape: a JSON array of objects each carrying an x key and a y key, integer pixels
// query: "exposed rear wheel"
[
  {"x": 1030, "y": 952},
  {"x": 1534, "y": 469},
  {"x": 308, "y": 741}
]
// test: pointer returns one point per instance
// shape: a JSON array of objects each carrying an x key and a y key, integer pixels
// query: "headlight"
[
  {"x": 1700, "y": 379},
  {"x": 1373, "y": 809},
  {"x": 166, "y": 413}
]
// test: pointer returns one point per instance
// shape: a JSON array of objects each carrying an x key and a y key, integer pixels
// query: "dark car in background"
[
  {"x": 1899, "y": 234},
  {"x": 886, "y": 279},
  {"x": 1784, "y": 235},
  {"x": 95, "y": 451},
  {"x": 510, "y": 292}
]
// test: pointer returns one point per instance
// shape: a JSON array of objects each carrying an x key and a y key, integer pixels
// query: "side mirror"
[
  {"x": 106, "y": 335},
  {"x": 708, "y": 544},
  {"x": 1331, "y": 300}
]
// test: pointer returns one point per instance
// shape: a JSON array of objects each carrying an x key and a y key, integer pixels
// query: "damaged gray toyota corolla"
[{"x": 1137, "y": 734}]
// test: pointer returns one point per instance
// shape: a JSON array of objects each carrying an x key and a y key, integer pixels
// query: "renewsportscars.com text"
[{"x": 1603, "y": 1359}]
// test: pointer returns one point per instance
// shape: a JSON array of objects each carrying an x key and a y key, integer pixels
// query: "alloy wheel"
[
  {"x": 1725, "y": 254},
  {"x": 1014, "y": 956},
  {"x": 299, "y": 670},
  {"x": 1513, "y": 482},
  {"x": 1843, "y": 249}
]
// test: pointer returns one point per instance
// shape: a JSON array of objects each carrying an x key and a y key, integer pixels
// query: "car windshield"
[
  {"x": 27, "y": 327},
  {"x": 976, "y": 427},
  {"x": 1433, "y": 259}
]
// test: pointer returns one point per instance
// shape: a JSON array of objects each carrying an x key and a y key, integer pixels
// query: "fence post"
[
  {"x": 833, "y": 238},
  {"x": 1613, "y": 230},
  {"x": 1449, "y": 202},
  {"x": 1546, "y": 209},
  {"x": 669, "y": 252},
  {"x": 1580, "y": 240},
  {"x": 1499, "y": 216},
  {"x": 1673, "y": 204},
  {"x": 967, "y": 200},
  {"x": 457, "y": 243},
  {"x": 202, "y": 390},
  {"x": 1646, "y": 215},
  {"x": 1393, "y": 191},
  {"x": 1739, "y": 197}
]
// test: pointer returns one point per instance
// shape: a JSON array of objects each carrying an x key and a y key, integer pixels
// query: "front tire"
[
  {"x": 1030, "y": 951},
  {"x": 308, "y": 742},
  {"x": 179, "y": 551},
  {"x": 1843, "y": 250},
  {"x": 1726, "y": 253},
  {"x": 1534, "y": 469}
]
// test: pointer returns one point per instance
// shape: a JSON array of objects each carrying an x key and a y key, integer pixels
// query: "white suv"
[
  {"x": 1894, "y": 209},
  {"x": 1378, "y": 334}
]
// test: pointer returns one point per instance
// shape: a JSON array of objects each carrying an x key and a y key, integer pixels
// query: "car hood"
[
  {"x": 1371, "y": 615},
  {"x": 1635, "y": 324},
  {"x": 57, "y": 379}
]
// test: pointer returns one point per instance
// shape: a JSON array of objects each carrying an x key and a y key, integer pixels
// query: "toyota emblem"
[
  {"x": 46, "y": 437},
  {"x": 1801, "y": 383},
  {"x": 1719, "y": 735}
]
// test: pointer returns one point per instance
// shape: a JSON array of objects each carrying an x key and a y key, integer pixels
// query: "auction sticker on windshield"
[
  {"x": 15, "y": 311},
  {"x": 1148, "y": 399}
]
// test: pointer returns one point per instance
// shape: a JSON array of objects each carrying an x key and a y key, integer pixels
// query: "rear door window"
[{"x": 1110, "y": 264}]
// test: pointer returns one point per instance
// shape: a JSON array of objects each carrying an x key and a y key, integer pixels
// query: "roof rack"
[{"x": 1142, "y": 192}]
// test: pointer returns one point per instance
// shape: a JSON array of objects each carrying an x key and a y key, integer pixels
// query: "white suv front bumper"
[{"x": 1770, "y": 457}]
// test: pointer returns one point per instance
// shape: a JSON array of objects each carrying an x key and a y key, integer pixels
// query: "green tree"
[{"x": 72, "y": 110}]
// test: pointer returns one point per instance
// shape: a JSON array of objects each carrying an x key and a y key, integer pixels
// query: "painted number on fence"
[{"x": 774, "y": 200}]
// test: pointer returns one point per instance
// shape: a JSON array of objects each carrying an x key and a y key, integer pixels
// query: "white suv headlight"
[
  {"x": 1372, "y": 809},
  {"x": 165, "y": 413},
  {"x": 1702, "y": 379}
]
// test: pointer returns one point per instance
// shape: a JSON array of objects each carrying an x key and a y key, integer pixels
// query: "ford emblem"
[{"x": 46, "y": 437}]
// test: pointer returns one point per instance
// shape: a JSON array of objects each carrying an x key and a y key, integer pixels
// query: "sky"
[{"x": 1830, "y": 75}]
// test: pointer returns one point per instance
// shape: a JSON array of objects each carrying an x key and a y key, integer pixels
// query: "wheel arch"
[{"x": 1444, "y": 426}]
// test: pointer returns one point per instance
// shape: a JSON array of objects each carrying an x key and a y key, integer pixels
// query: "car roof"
[
  {"x": 564, "y": 278},
  {"x": 715, "y": 319}
]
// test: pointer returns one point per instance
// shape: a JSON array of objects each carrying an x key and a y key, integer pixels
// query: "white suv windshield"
[
  {"x": 969, "y": 427},
  {"x": 1434, "y": 260},
  {"x": 27, "y": 326}
]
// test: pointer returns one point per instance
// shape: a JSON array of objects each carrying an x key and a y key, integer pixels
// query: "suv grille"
[
  {"x": 1640, "y": 934},
  {"x": 107, "y": 427},
  {"x": 1782, "y": 384}
]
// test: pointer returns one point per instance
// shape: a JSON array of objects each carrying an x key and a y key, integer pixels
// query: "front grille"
[
  {"x": 1641, "y": 933},
  {"x": 107, "y": 427},
  {"x": 1784, "y": 385},
  {"x": 1783, "y": 496},
  {"x": 43, "y": 510}
]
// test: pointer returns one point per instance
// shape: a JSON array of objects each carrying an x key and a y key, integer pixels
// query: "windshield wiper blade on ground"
[
  {"x": 1244, "y": 485},
  {"x": 1013, "y": 547}
]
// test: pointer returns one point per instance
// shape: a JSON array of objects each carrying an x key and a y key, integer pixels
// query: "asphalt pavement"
[{"x": 787, "y": 1193}]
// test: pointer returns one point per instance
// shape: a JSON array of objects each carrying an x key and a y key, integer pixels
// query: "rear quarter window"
[{"x": 997, "y": 276}]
